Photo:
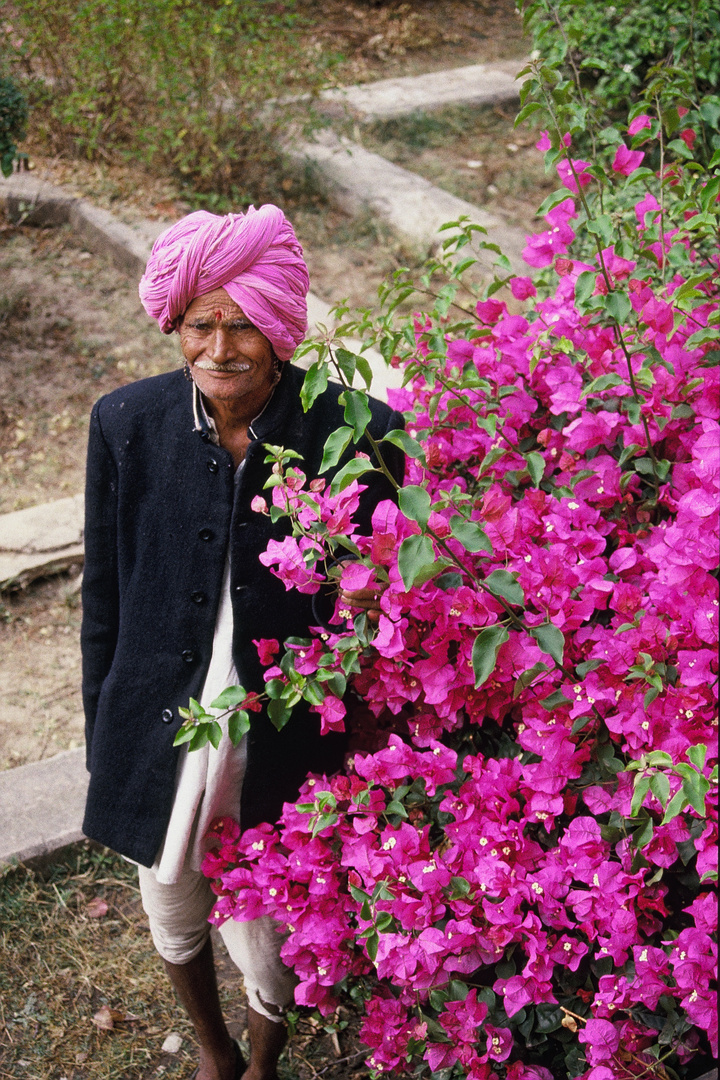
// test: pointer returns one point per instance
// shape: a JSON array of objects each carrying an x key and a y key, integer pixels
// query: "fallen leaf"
[
  {"x": 106, "y": 1018},
  {"x": 96, "y": 908},
  {"x": 103, "y": 1018}
]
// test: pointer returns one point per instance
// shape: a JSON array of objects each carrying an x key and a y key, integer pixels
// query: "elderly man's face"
[{"x": 230, "y": 359}]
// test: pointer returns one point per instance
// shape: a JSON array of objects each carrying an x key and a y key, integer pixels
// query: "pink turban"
[{"x": 255, "y": 257}]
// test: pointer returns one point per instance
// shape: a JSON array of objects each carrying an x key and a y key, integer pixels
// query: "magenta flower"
[
  {"x": 639, "y": 124},
  {"x": 572, "y": 173},
  {"x": 627, "y": 161}
]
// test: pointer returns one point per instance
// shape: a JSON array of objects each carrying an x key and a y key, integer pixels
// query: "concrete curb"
[
  {"x": 476, "y": 84},
  {"x": 360, "y": 180},
  {"x": 42, "y": 806}
]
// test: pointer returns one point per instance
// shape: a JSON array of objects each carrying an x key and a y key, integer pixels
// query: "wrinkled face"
[{"x": 229, "y": 358}]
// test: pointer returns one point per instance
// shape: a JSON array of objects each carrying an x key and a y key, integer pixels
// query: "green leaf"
[
  {"x": 414, "y": 502},
  {"x": 551, "y": 640},
  {"x": 552, "y": 701},
  {"x": 214, "y": 733},
  {"x": 238, "y": 725},
  {"x": 354, "y": 468},
  {"x": 527, "y": 677},
  {"x": 601, "y": 226},
  {"x": 416, "y": 553},
  {"x": 279, "y": 714},
  {"x": 697, "y": 755},
  {"x": 580, "y": 723},
  {"x": 314, "y": 693},
  {"x": 347, "y": 363},
  {"x": 644, "y": 834},
  {"x": 470, "y": 534},
  {"x": 184, "y": 734},
  {"x": 196, "y": 709},
  {"x": 617, "y": 306},
  {"x": 536, "y": 467},
  {"x": 695, "y": 789},
  {"x": 660, "y": 787},
  {"x": 316, "y": 380},
  {"x": 335, "y": 446},
  {"x": 230, "y": 697},
  {"x": 451, "y": 580},
  {"x": 603, "y": 382},
  {"x": 585, "y": 286},
  {"x": 405, "y": 442},
  {"x": 485, "y": 650},
  {"x": 371, "y": 944},
  {"x": 675, "y": 806},
  {"x": 199, "y": 738},
  {"x": 357, "y": 412},
  {"x": 502, "y": 583},
  {"x": 642, "y": 786}
]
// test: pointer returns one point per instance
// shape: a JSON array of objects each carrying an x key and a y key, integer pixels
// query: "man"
[{"x": 174, "y": 595}]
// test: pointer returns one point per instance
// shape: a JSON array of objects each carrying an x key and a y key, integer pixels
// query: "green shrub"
[
  {"x": 176, "y": 84},
  {"x": 633, "y": 50},
  {"x": 13, "y": 120}
]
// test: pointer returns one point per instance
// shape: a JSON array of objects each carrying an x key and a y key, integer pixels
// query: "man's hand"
[{"x": 368, "y": 600}]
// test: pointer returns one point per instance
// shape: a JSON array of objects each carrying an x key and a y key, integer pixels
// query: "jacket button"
[
  {"x": 206, "y": 534},
  {"x": 212, "y": 465},
  {"x": 167, "y": 716},
  {"x": 198, "y": 597},
  {"x": 188, "y": 656}
]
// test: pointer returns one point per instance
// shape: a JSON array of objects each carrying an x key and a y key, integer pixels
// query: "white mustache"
[{"x": 232, "y": 365}]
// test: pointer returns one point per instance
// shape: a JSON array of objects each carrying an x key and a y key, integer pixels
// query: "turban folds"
[{"x": 255, "y": 257}]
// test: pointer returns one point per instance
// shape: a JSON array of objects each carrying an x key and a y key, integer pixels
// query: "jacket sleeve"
[{"x": 100, "y": 590}]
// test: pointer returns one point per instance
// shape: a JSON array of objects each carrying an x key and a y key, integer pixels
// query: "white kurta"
[{"x": 208, "y": 782}]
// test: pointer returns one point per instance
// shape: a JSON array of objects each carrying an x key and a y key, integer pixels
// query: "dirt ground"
[
  {"x": 72, "y": 328},
  {"x": 387, "y": 38}
]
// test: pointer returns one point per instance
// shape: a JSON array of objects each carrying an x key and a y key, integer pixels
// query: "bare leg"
[
  {"x": 196, "y": 986},
  {"x": 267, "y": 1039}
]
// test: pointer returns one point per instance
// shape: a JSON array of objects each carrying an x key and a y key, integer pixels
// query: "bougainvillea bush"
[{"x": 513, "y": 878}]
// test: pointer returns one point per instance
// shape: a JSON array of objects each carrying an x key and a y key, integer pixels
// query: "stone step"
[
  {"x": 40, "y": 540},
  {"x": 476, "y": 84},
  {"x": 41, "y": 806}
]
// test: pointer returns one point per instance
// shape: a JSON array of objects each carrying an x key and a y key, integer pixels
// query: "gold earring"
[{"x": 186, "y": 372}]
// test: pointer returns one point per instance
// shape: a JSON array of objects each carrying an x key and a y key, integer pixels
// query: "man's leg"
[
  {"x": 178, "y": 917},
  {"x": 254, "y": 948},
  {"x": 195, "y": 984},
  {"x": 267, "y": 1039}
]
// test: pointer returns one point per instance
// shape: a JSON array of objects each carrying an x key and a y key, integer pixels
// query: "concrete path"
[
  {"x": 477, "y": 84},
  {"x": 360, "y": 180},
  {"x": 41, "y": 806}
]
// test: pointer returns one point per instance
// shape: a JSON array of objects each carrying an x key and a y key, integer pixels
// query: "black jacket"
[{"x": 160, "y": 509}]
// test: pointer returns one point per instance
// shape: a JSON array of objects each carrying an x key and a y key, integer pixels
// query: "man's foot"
[{"x": 231, "y": 1067}]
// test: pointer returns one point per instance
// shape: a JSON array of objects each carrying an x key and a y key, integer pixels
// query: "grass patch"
[{"x": 63, "y": 963}]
